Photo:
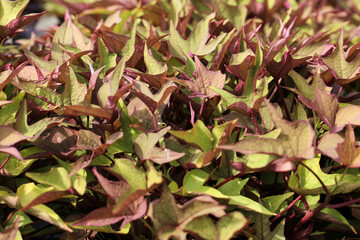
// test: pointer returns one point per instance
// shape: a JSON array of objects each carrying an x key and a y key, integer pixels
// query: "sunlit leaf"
[
  {"x": 310, "y": 185},
  {"x": 199, "y": 136},
  {"x": 343, "y": 71},
  {"x": 56, "y": 177},
  {"x": 204, "y": 79}
]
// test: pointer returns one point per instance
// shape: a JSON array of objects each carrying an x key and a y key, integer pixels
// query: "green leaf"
[
  {"x": 67, "y": 35},
  {"x": 193, "y": 183},
  {"x": 47, "y": 214},
  {"x": 78, "y": 180},
  {"x": 254, "y": 90},
  {"x": 199, "y": 136},
  {"x": 36, "y": 128},
  {"x": 14, "y": 166},
  {"x": 144, "y": 146},
  {"x": 339, "y": 217},
  {"x": 24, "y": 219},
  {"x": 336, "y": 183},
  {"x": 230, "y": 224},
  {"x": 126, "y": 170},
  {"x": 222, "y": 133},
  {"x": 125, "y": 143},
  {"x": 198, "y": 39},
  {"x": 75, "y": 92},
  {"x": 106, "y": 58},
  {"x": 170, "y": 219},
  {"x": 40, "y": 62},
  {"x": 249, "y": 204},
  {"x": 145, "y": 142},
  {"x": 175, "y": 8},
  {"x": 203, "y": 227},
  {"x": 46, "y": 94},
  {"x": 10, "y": 10},
  {"x": 177, "y": 45},
  {"x": 343, "y": 71},
  {"x": 129, "y": 47},
  {"x": 309, "y": 90},
  {"x": 111, "y": 83},
  {"x": 197, "y": 43},
  {"x": 8, "y": 112},
  {"x": 157, "y": 100},
  {"x": 153, "y": 177},
  {"x": 233, "y": 187},
  {"x": 56, "y": 177},
  {"x": 153, "y": 67},
  {"x": 25, "y": 194},
  {"x": 139, "y": 182},
  {"x": 273, "y": 203},
  {"x": 263, "y": 232},
  {"x": 235, "y": 13}
]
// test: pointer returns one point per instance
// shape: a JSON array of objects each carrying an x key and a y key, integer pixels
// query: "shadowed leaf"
[{"x": 170, "y": 219}]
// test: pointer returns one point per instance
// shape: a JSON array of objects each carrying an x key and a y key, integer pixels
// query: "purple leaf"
[{"x": 13, "y": 26}]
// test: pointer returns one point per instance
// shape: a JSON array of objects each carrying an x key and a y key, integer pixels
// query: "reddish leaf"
[
  {"x": 81, "y": 163},
  {"x": 13, "y": 26},
  {"x": 204, "y": 79},
  {"x": 13, "y": 75},
  {"x": 349, "y": 114},
  {"x": 114, "y": 42},
  {"x": 287, "y": 63},
  {"x": 59, "y": 141},
  {"x": 324, "y": 104},
  {"x": 9, "y": 136},
  {"x": 82, "y": 110},
  {"x": 328, "y": 143},
  {"x": 349, "y": 154},
  {"x": 12, "y": 151},
  {"x": 105, "y": 216},
  {"x": 294, "y": 143}
]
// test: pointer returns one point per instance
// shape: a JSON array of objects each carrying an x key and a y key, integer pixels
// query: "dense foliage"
[{"x": 204, "y": 119}]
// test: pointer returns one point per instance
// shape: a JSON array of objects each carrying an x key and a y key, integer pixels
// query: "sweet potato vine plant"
[{"x": 181, "y": 119}]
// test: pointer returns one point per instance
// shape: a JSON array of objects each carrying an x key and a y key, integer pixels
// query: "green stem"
[{"x": 148, "y": 226}]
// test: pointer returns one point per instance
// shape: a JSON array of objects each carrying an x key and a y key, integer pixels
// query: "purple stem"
[
  {"x": 310, "y": 214},
  {"x": 286, "y": 209},
  {"x": 229, "y": 179},
  {"x": 344, "y": 204},
  {"x": 6, "y": 160}
]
